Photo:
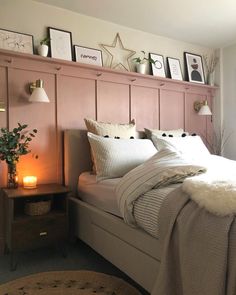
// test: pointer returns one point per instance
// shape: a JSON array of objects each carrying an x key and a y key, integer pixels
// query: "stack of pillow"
[{"x": 115, "y": 149}]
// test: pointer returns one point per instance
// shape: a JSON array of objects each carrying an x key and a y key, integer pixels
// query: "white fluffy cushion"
[
  {"x": 115, "y": 157},
  {"x": 110, "y": 129},
  {"x": 191, "y": 146},
  {"x": 157, "y": 132}
]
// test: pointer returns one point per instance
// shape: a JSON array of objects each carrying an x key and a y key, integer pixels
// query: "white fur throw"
[{"x": 216, "y": 189}]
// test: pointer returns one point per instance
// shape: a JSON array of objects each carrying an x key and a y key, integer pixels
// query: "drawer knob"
[{"x": 43, "y": 233}]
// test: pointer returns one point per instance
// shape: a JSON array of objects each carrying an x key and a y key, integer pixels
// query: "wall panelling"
[
  {"x": 145, "y": 107},
  {"x": 77, "y": 91}
]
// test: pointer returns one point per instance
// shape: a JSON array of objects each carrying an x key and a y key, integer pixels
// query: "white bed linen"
[{"x": 99, "y": 194}]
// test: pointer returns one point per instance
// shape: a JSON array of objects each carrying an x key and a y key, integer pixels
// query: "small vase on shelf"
[
  {"x": 142, "y": 68},
  {"x": 43, "y": 46},
  {"x": 211, "y": 78},
  {"x": 43, "y": 50},
  {"x": 12, "y": 176}
]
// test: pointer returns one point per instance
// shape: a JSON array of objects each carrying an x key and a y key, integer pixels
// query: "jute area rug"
[{"x": 68, "y": 283}]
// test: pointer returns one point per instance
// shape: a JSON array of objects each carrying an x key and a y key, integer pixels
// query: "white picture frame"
[
  {"x": 88, "y": 55},
  {"x": 174, "y": 68},
  {"x": 60, "y": 44},
  {"x": 158, "y": 67},
  {"x": 194, "y": 66},
  {"x": 15, "y": 41}
]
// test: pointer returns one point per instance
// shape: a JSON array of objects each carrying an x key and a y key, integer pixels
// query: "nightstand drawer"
[{"x": 40, "y": 231}]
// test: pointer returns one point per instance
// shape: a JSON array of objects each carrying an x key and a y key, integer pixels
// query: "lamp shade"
[
  {"x": 205, "y": 110},
  {"x": 39, "y": 94}
]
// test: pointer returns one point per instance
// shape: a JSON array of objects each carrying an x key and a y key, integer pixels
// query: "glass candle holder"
[{"x": 30, "y": 182}]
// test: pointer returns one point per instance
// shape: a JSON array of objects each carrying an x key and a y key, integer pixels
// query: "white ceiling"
[{"x": 210, "y": 23}]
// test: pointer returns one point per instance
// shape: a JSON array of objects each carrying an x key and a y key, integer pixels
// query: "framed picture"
[
  {"x": 88, "y": 55},
  {"x": 194, "y": 67},
  {"x": 60, "y": 43},
  {"x": 174, "y": 68},
  {"x": 16, "y": 41},
  {"x": 158, "y": 68}
]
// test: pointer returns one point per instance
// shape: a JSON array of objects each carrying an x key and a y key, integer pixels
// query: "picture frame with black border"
[
  {"x": 88, "y": 55},
  {"x": 158, "y": 68},
  {"x": 194, "y": 68},
  {"x": 16, "y": 41},
  {"x": 174, "y": 68},
  {"x": 60, "y": 44}
]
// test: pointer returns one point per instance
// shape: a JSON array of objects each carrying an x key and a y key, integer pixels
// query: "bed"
[
  {"x": 130, "y": 249},
  {"x": 194, "y": 251}
]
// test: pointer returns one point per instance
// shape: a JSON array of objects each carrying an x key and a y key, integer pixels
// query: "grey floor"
[{"x": 80, "y": 256}]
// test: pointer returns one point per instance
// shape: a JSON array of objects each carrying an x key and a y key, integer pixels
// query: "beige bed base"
[{"x": 131, "y": 250}]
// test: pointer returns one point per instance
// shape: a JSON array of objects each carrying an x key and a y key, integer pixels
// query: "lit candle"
[{"x": 30, "y": 182}]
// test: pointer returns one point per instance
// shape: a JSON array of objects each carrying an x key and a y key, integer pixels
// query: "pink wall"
[{"x": 77, "y": 91}]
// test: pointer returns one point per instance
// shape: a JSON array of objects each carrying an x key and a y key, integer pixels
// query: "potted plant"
[
  {"x": 14, "y": 144},
  {"x": 43, "y": 47},
  {"x": 142, "y": 63}
]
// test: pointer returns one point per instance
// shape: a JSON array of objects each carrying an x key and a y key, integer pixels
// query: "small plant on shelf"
[
  {"x": 143, "y": 62},
  {"x": 43, "y": 47},
  {"x": 143, "y": 59},
  {"x": 211, "y": 63},
  {"x": 14, "y": 144},
  {"x": 45, "y": 41}
]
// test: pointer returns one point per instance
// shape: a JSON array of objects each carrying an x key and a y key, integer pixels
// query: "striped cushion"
[{"x": 115, "y": 157}]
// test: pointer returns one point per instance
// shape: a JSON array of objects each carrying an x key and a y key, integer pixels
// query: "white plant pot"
[
  {"x": 43, "y": 50},
  {"x": 142, "y": 68}
]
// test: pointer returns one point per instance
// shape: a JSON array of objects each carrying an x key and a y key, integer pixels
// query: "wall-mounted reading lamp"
[
  {"x": 202, "y": 108},
  {"x": 38, "y": 94}
]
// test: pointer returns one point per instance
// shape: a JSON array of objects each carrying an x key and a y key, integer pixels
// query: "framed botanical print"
[
  {"x": 88, "y": 55},
  {"x": 158, "y": 67},
  {"x": 194, "y": 67},
  {"x": 174, "y": 68},
  {"x": 60, "y": 43},
  {"x": 15, "y": 41}
]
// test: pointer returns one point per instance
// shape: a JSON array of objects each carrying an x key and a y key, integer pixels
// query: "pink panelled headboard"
[{"x": 77, "y": 91}]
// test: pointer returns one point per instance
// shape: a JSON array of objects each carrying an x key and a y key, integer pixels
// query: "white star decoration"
[{"x": 119, "y": 55}]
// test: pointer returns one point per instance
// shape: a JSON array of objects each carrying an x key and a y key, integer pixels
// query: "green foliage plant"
[
  {"x": 143, "y": 59},
  {"x": 45, "y": 41},
  {"x": 15, "y": 143}
]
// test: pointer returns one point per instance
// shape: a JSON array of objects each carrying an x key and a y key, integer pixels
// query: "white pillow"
[
  {"x": 160, "y": 133},
  {"x": 113, "y": 130},
  {"x": 115, "y": 157},
  {"x": 191, "y": 146}
]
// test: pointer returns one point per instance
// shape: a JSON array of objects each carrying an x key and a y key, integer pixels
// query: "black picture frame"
[
  {"x": 194, "y": 68},
  {"x": 16, "y": 41},
  {"x": 88, "y": 55},
  {"x": 60, "y": 44},
  {"x": 158, "y": 69},
  {"x": 174, "y": 68}
]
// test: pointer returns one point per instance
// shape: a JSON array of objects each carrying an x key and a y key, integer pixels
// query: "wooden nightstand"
[{"x": 24, "y": 232}]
